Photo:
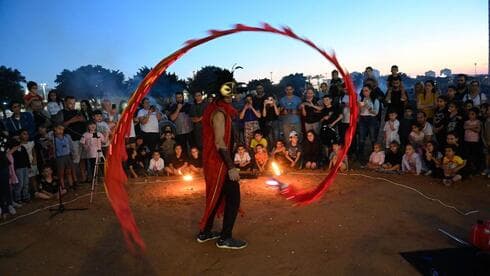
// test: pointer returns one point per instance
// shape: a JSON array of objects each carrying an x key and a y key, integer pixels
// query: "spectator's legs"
[
  {"x": 4, "y": 189},
  {"x": 24, "y": 179},
  {"x": 76, "y": 160},
  {"x": 83, "y": 170},
  {"x": 373, "y": 129},
  {"x": 363, "y": 132}
]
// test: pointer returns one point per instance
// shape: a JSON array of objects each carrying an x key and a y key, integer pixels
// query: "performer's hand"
[{"x": 233, "y": 174}]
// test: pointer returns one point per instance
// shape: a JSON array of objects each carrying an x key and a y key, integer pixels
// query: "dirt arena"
[{"x": 358, "y": 228}]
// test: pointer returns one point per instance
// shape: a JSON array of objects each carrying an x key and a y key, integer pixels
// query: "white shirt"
[
  {"x": 156, "y": 165},
  {"x": 53, "y": 108},
  {"x": 29, "y": 148},
  {"x": 428, "y": 129},
  {"x": 242, "y": 158},
  {"x": 368, "y": 103},
  {"x": 391, "y": 130},
  {"x": 152, "y": 125},
  {"x": 479, "y": 99}
]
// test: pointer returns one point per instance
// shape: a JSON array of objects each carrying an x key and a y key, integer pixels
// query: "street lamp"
[
  {"x": 475, "y": 69},
  {"x": 43, "y": 85}
]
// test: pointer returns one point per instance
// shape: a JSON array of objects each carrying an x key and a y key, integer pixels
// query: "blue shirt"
[
  {"x": 63, "y": 146},
  {"x": 291, "y": 104}
]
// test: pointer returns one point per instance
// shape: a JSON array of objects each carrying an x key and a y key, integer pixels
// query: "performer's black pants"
[{"x": 231, "y": 192}]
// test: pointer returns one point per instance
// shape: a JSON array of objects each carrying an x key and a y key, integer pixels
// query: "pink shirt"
[
  {"x": 91, "y": 144},
  {"x": 377, "y": 158},
  {"x": 470, "y": 135}
]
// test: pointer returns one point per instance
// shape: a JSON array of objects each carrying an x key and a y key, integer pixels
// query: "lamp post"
[
  {"x": 43, "y": 85},
  {"x": 475, "y": 68}
]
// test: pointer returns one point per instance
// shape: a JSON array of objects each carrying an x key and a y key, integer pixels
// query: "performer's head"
[{"x": 225, "y": 86}]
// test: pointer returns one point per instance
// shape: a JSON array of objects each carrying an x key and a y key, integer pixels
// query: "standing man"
[
  {"x": 179, "y": 114},
  {"x": 289, "y": 106},
  {"x": 221, "y": 176},
  {"x": 196, "y": 111},
  {"x": 149, "y": 117},
  {"x": 75, "y": 125}
]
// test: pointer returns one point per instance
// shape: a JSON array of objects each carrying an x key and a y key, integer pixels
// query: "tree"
[
  {"x": 10, "y": 86},
  {"x": 265, "y": 82},
  {"x": 91, "y": 81},
  {"x": 297, "y": 80},
  {"x": 165, "y": 86},
  {"x": 205, "y": 79}
]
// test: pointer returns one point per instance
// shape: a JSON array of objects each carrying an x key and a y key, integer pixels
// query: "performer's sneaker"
[
  {"x": 231, "y": 243},
  {"x": 207, "y": 236}
]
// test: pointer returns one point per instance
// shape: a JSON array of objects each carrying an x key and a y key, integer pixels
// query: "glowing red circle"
[{"x": 115, "y": 177}]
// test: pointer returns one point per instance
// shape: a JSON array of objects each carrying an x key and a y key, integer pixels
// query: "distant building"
[
  {"x": 430, "y": 74},
  {"x": 446, "y": 73}
]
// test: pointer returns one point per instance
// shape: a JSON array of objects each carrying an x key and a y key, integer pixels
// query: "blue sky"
[{"x": 41, "y": 38}]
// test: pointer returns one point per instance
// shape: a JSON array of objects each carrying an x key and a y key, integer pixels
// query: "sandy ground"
[{"x": 358, "y": 228}]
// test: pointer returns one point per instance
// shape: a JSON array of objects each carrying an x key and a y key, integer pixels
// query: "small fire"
[
  {"x": 187, "y": 177},
  {"x": 276, "y": 169}
]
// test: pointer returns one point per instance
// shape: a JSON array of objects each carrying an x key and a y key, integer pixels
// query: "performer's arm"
[{"x": 219, "y": 141}]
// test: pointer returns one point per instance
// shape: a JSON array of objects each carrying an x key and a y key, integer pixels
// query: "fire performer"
[{"x": 221, "y": 176}]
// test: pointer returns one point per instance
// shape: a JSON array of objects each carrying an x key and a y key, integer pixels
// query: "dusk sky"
[{"x": 41, "y": 38}]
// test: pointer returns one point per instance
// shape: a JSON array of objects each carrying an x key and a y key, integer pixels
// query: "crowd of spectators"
[{"x": 51, "y": 146}]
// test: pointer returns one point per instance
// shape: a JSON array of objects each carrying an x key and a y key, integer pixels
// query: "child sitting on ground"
[
  {"x": 48, "y": 186},
  {"x": 258, "y": 139},
  {"x": 261, "y": 158},
  {"x": 453, "y": 140},
  {"x": 136, "y": 168},
  {"x": 451, "y": 164},
  {"x": 344, "y": 166},
  {"x": 294, "y": 149},
  {"x": 416, "y": 138},
  {"x": 432, "y": 160},
  {"x": 156, "y": 167},
  {"x": 393, "y": 159},
  {"x": 167, "y": 146},
  {"x": 242, "y": 159},
  {"x": 377, "y": 157},
  {"x": 411, "y": 162},
  {"x": 195, "y": 161},
  {"x": 280, "y": 154},
  {"x": 177, "y": 162}
]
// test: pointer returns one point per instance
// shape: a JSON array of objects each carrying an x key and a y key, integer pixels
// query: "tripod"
[
  {"x": 99, "y": 160},
  {"x": 61, "y": 207}
]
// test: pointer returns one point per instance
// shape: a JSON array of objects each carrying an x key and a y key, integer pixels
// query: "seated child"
[
  {"x": 48, "y": 186},
  {"x": 294, "y": 149},
  {"x": 416, "y": 138},
  {"x": 156, "y": 167},
  {"x": 136, "y": 168},
  {"x": 242, "y": 159},
  {"x": 261, "y": 157},
  {"x": 344, "y": 166},
  {"x": 280, "y": 154},
  {"x": 411, "y": 162},
  {"x": 452, "y": 164},
  {"x": 377, "y": 157},
  {"x": 195, "y": 161},
  {"x": 432, "y": 160},
  {"x": 177, "y": 162},
  {"x": 453, "y": 140},
  {"x": 393, "y": 159},
  {"x": 258, "y": 139},
  {"x": 167, "y": 146}
]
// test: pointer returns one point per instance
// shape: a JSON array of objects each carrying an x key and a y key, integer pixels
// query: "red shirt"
[{"x": 30, "y": 97}]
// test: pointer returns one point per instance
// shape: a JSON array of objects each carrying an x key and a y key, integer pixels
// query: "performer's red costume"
[{"x": 212, "y": 161}]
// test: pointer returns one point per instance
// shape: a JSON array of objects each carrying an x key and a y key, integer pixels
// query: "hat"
[{"x": 293, "y": 133}]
